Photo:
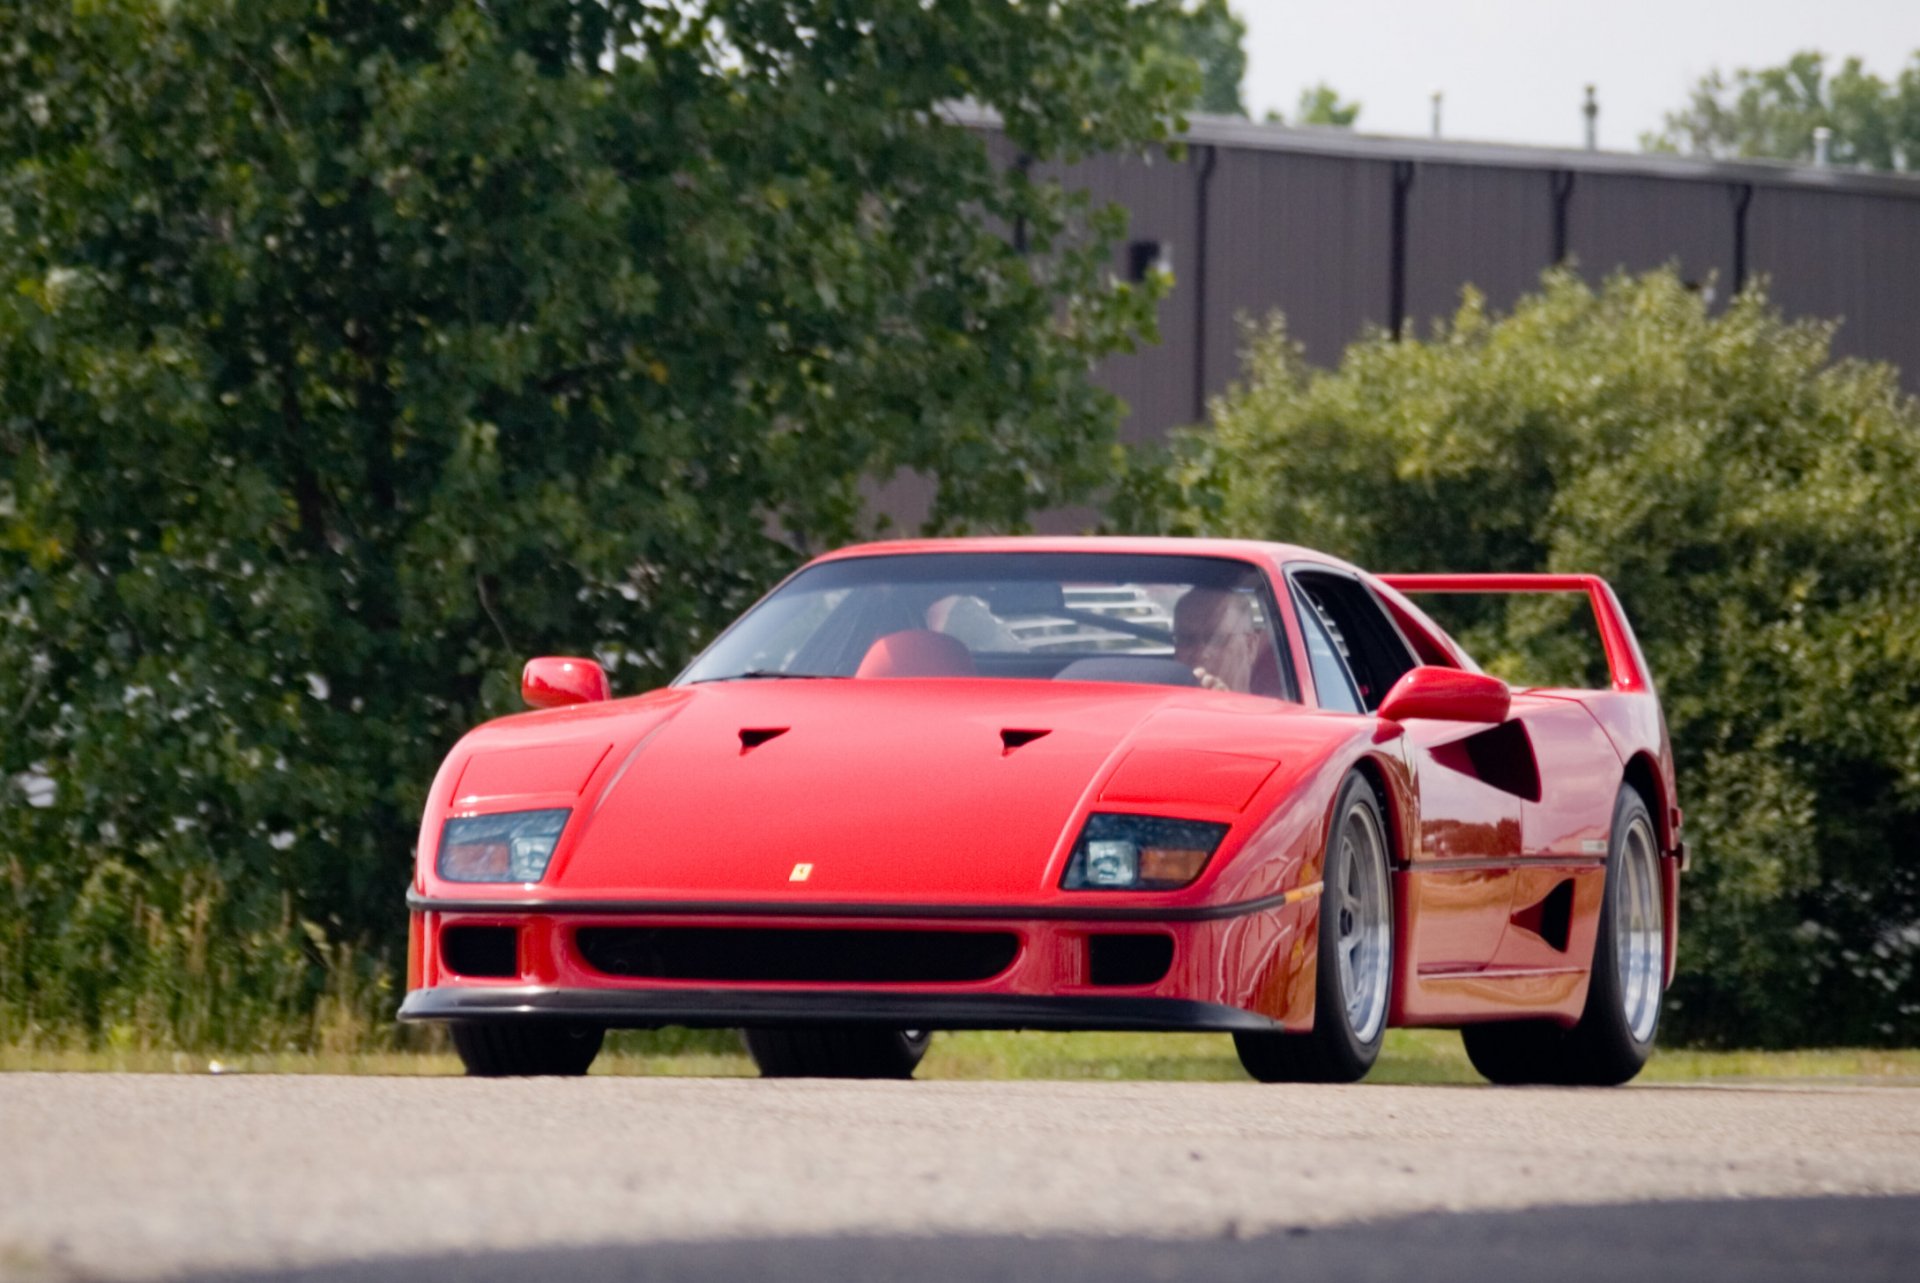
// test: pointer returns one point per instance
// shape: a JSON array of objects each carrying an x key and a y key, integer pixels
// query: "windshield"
[{"x": 1162, "y": 620}]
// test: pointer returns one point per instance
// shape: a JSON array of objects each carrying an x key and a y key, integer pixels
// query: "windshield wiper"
[{"x": 763, "y": 674}]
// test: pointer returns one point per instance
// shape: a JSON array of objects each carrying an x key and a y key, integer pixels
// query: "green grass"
[{"x": 1411, "y": 1056}]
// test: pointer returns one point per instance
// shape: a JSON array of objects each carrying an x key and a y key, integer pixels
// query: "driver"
[{"x": 1214, "y": 634}]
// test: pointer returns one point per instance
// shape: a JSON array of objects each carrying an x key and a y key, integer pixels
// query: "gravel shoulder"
[{"x": 135, "y": 1177}]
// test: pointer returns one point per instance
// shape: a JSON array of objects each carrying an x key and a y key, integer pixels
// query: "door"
[{"x": 1456, "y": 892}]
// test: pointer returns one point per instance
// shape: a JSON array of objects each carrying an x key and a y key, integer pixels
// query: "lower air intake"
[
  {"x": 1123, "y": 960},
  {"x": 487, "y": 952},
  {"x": 754, "y": 954}
]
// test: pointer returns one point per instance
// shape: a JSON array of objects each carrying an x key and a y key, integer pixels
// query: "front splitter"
[{"x": 723, "y": 1008}]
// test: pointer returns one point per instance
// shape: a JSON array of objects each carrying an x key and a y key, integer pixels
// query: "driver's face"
[{"x": 1213, "y": 631}]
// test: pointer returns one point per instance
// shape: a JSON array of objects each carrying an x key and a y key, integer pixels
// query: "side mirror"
[
  {"x": 1447, "y": 695},
  {"x": 556, "y": 681}
]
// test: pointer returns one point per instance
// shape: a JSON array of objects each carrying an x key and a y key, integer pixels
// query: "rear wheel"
[
  {"x": 1517, "y": 1051},
  {"x": 1355, "y": 957},
  {"x": 847, "y": 1051},
  {"x": 1617, "y": 1027},
  {"x": 525, "y": 1049}
]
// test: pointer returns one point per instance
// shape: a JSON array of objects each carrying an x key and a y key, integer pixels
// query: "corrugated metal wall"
[
  {"x": 1488, "y": 227},
  {"x": 1626, "y": 221},
  {"x": 1293, "y": 224},
  {"x": 1846, "y": 255},
  {"x": 1298, "y": 232},
  {"x": 1341, "y": 232},
  {"x": 1160, "y": 197}
]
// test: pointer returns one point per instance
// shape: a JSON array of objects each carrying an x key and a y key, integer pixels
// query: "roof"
[
  {"x": 1135, "y": 545},
  {"x": 1321, "y": 140}
]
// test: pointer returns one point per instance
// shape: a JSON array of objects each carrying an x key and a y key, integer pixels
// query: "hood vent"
[
  {"x": 1011, "y": 739},
  {"x": 752, "y": 737}
]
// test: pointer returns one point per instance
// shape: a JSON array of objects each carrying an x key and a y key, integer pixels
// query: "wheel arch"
[
  {"x": 1643, "y": 776},
  {"x": 1389, "y": 790}
]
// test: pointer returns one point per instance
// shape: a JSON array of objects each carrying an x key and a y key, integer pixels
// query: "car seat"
[{"x": 916, "y": 652}]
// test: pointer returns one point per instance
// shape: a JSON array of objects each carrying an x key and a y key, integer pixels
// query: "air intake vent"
[
  {"x": 752, "y": 737},
  {"x": 1551, "y": 918},
  {"x": 754, "y": 954},
  {"x": 1011, "y": 739},
  {"x": 1131, "y": 959},
  {"x": 1501, "y": 756},
  {"x": 491, "y": 953}
]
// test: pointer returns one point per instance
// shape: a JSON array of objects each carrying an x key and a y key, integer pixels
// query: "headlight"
[
  {"x": 511, "y": 847},
  {"x": 1139, "y": 853}
]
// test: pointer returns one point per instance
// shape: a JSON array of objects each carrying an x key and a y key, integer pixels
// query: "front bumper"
[{"x": 1246, "y": 967}]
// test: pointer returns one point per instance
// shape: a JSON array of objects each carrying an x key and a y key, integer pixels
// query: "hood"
[{"x": 867, "y": 791}]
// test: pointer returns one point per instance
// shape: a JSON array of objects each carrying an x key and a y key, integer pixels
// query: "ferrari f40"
[{"x": 1075, "y": 784}]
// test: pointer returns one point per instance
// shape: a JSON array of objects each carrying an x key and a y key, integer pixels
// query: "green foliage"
[
  {"x": 1772, "y": 112},
  {"x": 1753, "y": 502},
  {"x": 352, "y": 351},
  {"x": 1321, "y": 105},
  {"x": 1210, "y": 36}
]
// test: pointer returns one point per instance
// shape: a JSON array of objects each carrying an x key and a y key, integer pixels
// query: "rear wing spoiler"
[{"x": 1625, "y": 663}]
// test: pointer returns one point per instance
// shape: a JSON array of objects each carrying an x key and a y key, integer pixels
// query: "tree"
[
  {"x": 1772, "y": 113},
  {"x": 1210, "y": 35},
  {"x": 1321, "y": 105},
  {"x": 352, "y": 352},
  {"x": 1752, "y": 501}
]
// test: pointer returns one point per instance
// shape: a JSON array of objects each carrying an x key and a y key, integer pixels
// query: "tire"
[
  {"x": 1355, "y": 957},
  {"x": 1621, "y": 1019},
  {"x": 841, "y": 1051},
  {"x": 526, "y": 1049},
  {"x": 1513, "y": 1052}
]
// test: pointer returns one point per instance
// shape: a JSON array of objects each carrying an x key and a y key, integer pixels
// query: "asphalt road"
[{"x": 374, "y": 1179}]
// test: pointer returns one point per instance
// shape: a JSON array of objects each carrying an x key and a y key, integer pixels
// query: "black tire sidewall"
[
  {"x": 836, "y": 1051},
  {"x": 526, "y": 1048}
]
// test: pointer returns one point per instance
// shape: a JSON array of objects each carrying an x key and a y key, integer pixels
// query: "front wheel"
[
  {"x": 1355, "y": 957},
  {"x": 526, "y": 1049},
  {"x": 1617, "y": 1026},
  {"x": 850, "y": 1051}
]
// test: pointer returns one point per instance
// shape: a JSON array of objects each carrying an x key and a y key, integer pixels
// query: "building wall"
[
  {"x": 1467, "y": 225},
  {"x": 1163, "y": 206},
  {"x": 1308, "y": 223},
  {"x": 1341, "y": 232},
  {"x": 1304, "y": 229},
  {"x": 1854, "y": 257},
  {"x": 1617, "y": 221}
]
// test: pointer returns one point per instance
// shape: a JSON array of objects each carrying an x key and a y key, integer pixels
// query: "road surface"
[{"x": 376, "y": 1179}]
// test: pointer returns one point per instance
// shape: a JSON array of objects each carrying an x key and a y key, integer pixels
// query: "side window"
[
  {"x": 1376, "y": 654},
  {"x": 1330, "y": 680}
]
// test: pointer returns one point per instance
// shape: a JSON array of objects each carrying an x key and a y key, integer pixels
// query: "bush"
[{"x": 1753, "y": 501}]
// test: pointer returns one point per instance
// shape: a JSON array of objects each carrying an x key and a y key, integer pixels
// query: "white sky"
[{"x": 1515, "y": 70}]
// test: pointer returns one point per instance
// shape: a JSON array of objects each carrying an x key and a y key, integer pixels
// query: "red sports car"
[{"x": 1038, "y": 783}]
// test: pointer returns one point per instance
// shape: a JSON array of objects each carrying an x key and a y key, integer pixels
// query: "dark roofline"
[{"x": 1236, "y": 131}]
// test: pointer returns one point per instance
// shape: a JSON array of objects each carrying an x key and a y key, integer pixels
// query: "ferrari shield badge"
[{"x": 801, "y": 872}]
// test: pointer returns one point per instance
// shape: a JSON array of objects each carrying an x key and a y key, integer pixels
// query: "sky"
[{"x": 1516, "y": 70}]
